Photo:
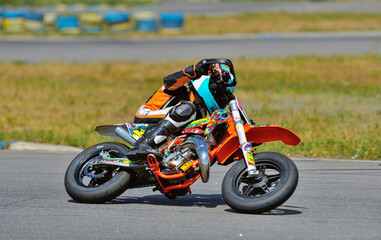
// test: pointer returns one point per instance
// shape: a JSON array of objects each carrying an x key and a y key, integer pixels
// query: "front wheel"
[
  {"x": 86, "y": 183},
  {"x": 278, "y": 180}
]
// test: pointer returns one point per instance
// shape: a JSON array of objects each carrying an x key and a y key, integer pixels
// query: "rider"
[{"x": 170, "y": 108}]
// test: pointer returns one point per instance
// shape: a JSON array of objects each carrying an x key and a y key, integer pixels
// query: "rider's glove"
[
  {"x": 202, "y": 67},
  {"x": 197, "y": 70}
]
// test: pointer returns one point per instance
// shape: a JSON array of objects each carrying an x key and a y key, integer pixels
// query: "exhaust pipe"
[
  {"x": 125, "y": 135},
  {"x": 202, "y": 149}
]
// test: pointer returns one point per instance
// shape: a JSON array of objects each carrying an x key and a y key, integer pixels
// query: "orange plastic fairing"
[
  {"x": 261, "y": 134},
  {"x": 257, "y": 134}
]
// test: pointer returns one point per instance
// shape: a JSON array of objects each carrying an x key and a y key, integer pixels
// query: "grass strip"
[
  {"x": 282, "y": 22},
  {"x": 332, "y": 103}
]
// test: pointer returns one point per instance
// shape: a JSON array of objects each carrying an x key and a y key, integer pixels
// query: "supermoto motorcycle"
[{"x": 257, "y": 182}]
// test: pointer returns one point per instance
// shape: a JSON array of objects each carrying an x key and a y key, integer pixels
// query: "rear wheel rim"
[{"x": 91, "y": 177}]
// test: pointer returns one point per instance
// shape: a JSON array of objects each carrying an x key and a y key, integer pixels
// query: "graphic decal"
[
  {"x": 208, "y": 124},
  {"x": 136, "y": 130}
]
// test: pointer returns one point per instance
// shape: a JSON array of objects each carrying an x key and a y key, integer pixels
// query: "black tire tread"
[
  {"x": 103, "y": 193},
  {"x": 266, "y": 202}
]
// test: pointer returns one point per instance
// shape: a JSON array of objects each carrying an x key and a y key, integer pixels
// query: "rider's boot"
[{"x": 154, "y": 135}]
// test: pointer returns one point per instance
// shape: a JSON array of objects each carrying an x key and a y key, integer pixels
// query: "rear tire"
[
  {"x": 279, "y": 181},
  {"x": 88, "y": 184}
]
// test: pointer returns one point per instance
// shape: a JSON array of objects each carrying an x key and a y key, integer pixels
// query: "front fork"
[{"x": 245, "y": 146}]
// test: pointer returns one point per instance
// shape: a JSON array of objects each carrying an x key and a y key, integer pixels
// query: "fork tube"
[{"x": 245, "y": 146}]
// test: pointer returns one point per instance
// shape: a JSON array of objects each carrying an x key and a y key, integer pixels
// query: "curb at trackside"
[{"x": 28, "y": 146}]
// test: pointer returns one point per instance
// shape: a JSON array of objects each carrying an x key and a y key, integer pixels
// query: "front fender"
[
  {"x": 257, "y": 134},
  {"x": 270, "y": 133}
]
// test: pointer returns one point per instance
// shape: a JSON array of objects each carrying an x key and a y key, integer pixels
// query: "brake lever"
[
  {"x": 216, "y": 77},
  {"x": 222, "y": 61}
]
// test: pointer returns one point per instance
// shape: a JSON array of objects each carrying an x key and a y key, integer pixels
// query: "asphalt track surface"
[
  {"x": 203, "y": 8},
  {"x": 196, "y": 47},
  {"x": 334, "y": 200}
]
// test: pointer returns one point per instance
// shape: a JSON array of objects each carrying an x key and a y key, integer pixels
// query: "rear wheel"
[
  {"x": 86, "y": 183},
  {"x": 278, "y": 180}
]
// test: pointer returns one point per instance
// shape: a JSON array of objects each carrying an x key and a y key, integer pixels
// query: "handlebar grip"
[
  {"x": 222, "y": 61},
  {"x": 218, "y": 60}
]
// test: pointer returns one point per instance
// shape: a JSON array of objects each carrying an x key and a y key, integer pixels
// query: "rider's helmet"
[{"x": 214, "y": 90}]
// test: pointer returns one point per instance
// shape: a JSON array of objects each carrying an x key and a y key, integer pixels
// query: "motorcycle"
[{"x": 256, "y": 183}]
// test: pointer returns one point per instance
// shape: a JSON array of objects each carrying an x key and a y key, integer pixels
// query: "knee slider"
[{"x": 183, "y": 112}]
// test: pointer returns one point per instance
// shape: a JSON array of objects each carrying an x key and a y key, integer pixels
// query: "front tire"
[
  {"x": 88, "y": 184},
  {"x": 279, "y": 178}
]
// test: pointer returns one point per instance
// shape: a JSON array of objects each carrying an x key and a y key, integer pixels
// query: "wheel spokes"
[
  {"x": 92, "y": 182},
  {"x": 265, "y": 188},
  {"x": 91, "y": 176},
  {"x": 270, "y": 176},
  {"x": 247, "y": 191},
  {"x": 273, "y": 178}
]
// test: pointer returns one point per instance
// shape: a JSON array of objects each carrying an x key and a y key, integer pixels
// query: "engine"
[{"x": 178, "y": 161}]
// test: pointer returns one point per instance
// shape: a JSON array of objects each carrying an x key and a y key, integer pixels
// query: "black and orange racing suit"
[
  {"x": 174, "y": 92},
  {"x": 170, "y": 108}
]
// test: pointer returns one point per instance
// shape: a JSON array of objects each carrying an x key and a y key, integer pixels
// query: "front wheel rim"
[{"x": 249, "y": 187}]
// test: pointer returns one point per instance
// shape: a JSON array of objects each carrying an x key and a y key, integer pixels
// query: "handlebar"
[
  {"x": 221, "y": 87},
  {"x": 222, "y": 61},
  {"x": 225, "y": 62},
  {"x": 218, "y": 81}
]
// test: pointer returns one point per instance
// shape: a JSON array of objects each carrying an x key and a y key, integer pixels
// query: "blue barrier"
[
  {"x": 117, "y": 22},
  {"x": 146, "y": 22},
  {"x": 13, "y": 14},
  {"x": 12, "y": 20},
  {"x": 116, "y": 17},
  {"x": 171, "y": 21},
  {"x": 34, "y": 22},
  {"x": 3, "y": 144},
  {"x": 146, "y": 25},
  {"x": 68, "y": 24},
  {"x": 1, "y": 14},
  {"x": 75, "y": 21},
  {"x": 34, "y": 16},
  {"x": 91, "y": 22}
]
